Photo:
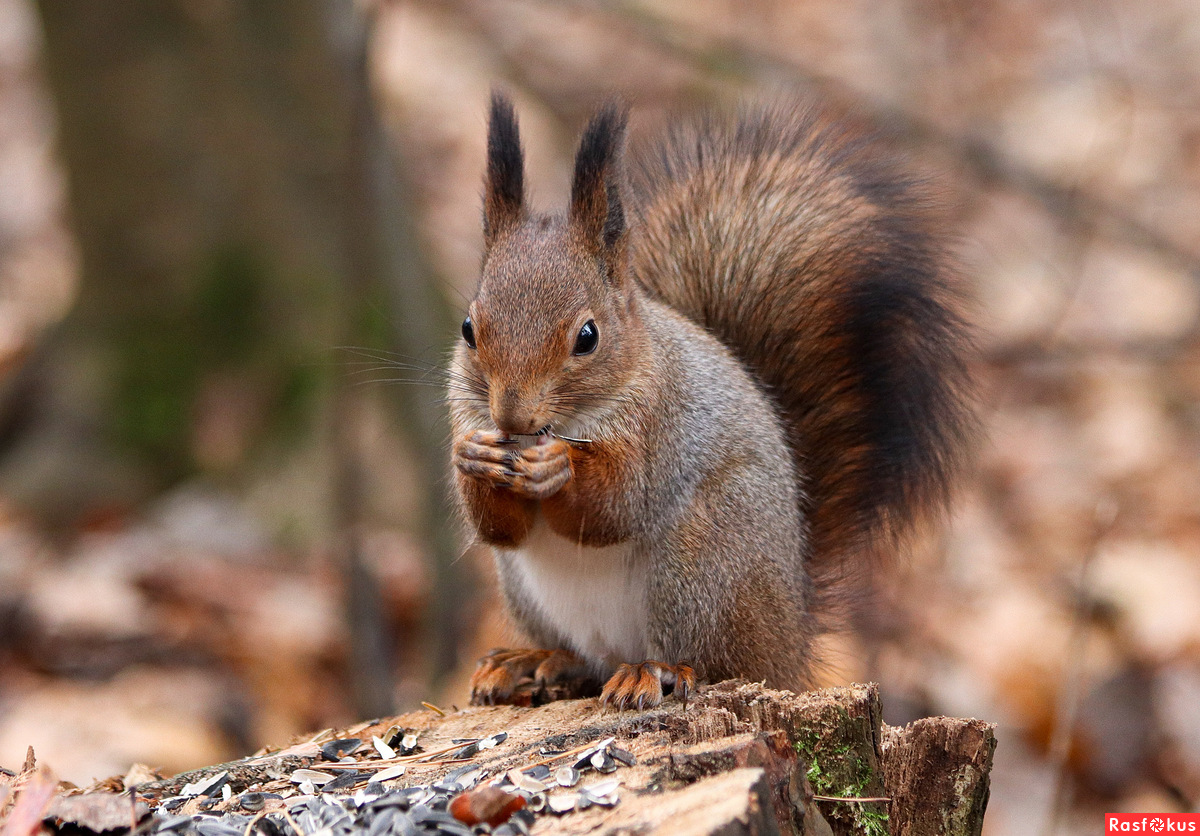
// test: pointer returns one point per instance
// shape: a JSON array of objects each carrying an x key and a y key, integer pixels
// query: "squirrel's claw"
[
  {"x": 641, "y": 685},
  {"x": 685, "y": 683}
]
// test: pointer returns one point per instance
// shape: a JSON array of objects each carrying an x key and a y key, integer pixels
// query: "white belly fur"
[{"x": 594, "y": 597}]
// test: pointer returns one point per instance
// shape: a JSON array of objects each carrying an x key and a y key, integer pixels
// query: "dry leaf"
[
  {"x": 98, "y": 811},
  {"x": 33, "y": 799}
]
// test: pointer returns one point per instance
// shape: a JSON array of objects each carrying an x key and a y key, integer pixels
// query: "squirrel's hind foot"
[
  {"x": 530, "y": 677},
  {"x": 641, "y": 686}
]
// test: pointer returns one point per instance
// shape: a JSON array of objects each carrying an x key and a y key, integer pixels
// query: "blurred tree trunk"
[
  {"x": 382, "y": 241},
  {"x": 205, "y": 145},
  {"x": 227, "y": 196}
]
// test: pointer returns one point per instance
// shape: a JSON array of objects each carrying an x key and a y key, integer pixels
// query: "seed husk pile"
[{"x": 343, "y": 795}]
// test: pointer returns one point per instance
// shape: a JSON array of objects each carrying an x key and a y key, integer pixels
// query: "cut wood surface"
[{"x": 740, "y": 759}]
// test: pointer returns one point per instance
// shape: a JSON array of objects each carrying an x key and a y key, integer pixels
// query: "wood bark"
[{"x": 934, "y": 770}]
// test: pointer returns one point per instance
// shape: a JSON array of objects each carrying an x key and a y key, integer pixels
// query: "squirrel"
[{"x": 736, "y": 366}]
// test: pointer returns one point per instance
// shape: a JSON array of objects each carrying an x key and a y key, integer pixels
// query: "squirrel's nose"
[{"x": 514, "y": 413}]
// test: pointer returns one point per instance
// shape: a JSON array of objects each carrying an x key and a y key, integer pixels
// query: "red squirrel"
[{"x": 735, "y": 364}]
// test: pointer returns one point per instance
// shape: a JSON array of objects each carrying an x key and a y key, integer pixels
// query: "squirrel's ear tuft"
[
  {"x": 504, "y": 183},
  {"x": 596, "y": 191}
]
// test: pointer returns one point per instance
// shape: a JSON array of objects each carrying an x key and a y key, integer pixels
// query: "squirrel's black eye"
[
  {"x": 588, "y": 339},
  {"x": 468, "y": 332}
]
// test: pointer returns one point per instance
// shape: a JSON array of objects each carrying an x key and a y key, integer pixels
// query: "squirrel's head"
[{"x": 551, "y": 328}]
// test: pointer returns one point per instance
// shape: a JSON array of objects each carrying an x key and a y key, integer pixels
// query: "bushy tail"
[{"x": 799, "y": 242}]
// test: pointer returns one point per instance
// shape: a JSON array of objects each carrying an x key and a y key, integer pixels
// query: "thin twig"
[
  {"x": 299, "y": 830},
  {"x": 559, "y": 756},
  {"x": 1067, "y": 709},
  {"x": 252, "y": 822}
]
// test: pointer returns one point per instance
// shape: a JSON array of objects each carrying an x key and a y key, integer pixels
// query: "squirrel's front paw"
[
  {"x": 641, "y": 686},
  {"x": 540, "y": 471},
  {"x": 536, "y": 472},
  {"x": 486, "y": 456}
]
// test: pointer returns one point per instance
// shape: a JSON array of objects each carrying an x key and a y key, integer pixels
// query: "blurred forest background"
[{"x": 228, "y": 229}]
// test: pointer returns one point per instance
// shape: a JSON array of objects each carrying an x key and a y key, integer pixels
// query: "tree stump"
[{"x": 740, "y": 759}]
